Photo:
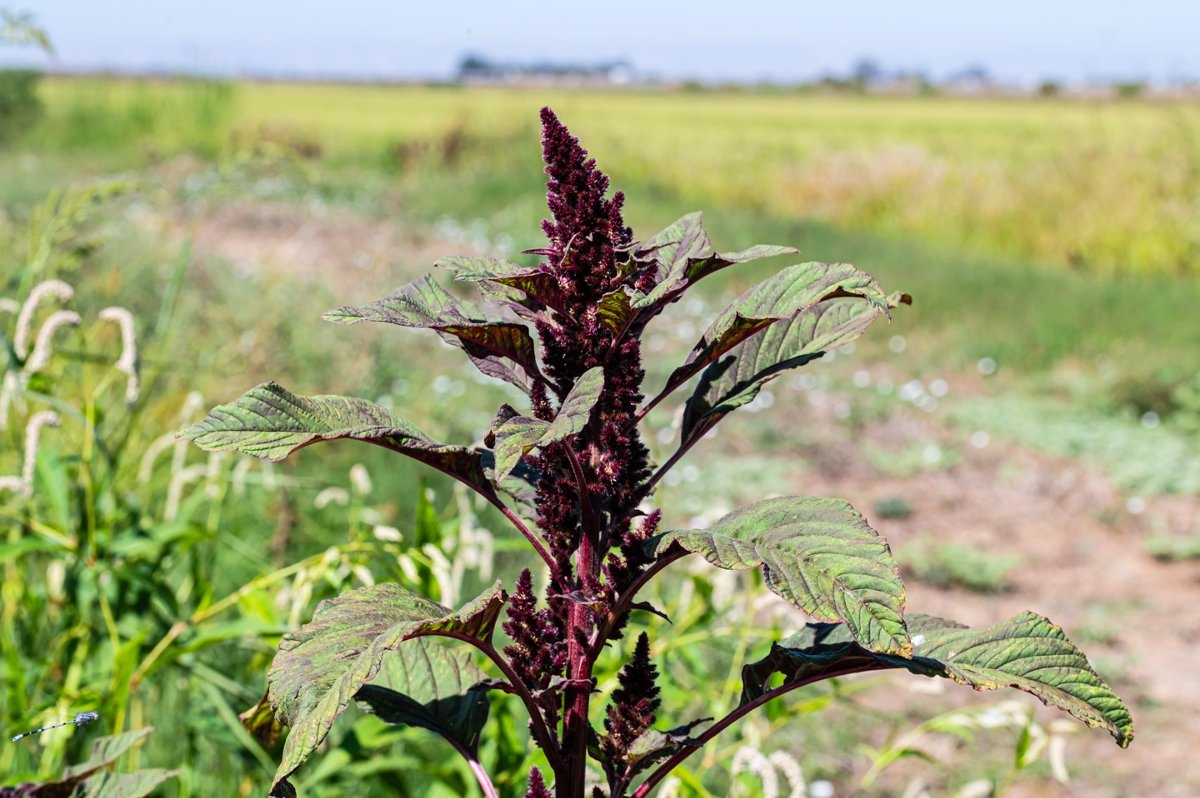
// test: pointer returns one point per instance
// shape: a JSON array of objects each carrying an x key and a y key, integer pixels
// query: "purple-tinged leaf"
[
  {"x": 1027, "y": 652},
  {"x": 683, "y": 254},
  {"x": 819, "y": 555},
  {"x": 495, "y": 276},
  {"x": 322, "y": 666},
  {"x": 782, "y": 296},
  {"x": 736, "y": 378},
  {"x": 518, "y": 435},
  {"x": 500, "y": 347},
  {"x": 615, "y": 311},
  {"x": 270, "y": 422},
  {"x": 422, "y": 303}
]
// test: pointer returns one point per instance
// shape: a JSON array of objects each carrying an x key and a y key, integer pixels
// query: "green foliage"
[
  {"x": 16, "y": 28},
  {"x": 138, "y": 578},
  {"x": 20, "y": 106},
  {"x": 949, "y": 564},
  {"x": 92, "y": 777},
  {"x": 818, "y": 554},
  {"x": 1107, "y": 188},
  {"x": 1140, "y": 459},
  {"x": 566, "y": 333},
  {"x": 1174, "y": 548},
  {"x": 150, "y": 117}
]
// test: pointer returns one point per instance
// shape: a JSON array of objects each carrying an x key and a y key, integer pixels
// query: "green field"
[
  {"x": 1107, "y": 187},
  {"x": 1056, "y": 240}
]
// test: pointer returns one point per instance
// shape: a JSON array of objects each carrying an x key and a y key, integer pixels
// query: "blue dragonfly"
[{"x": 80, "y": 719}]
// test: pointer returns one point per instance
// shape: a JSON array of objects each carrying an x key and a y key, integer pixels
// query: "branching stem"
[
  {"x": 537, "y": 723},
  {"x": 529, "y": 535},
  {"x": 733, "y": 717},
  {"x": 625, "y": 600}
]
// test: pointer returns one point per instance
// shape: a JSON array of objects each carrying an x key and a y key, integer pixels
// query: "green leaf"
[
  {"x": 1033, "y": 655},
  {"x": 683, "y": 254},
  {"x": 424, "y": 684},
  {"x": 125, "y": 785},
  {"x": 782, "y": 296},
  {"x": 517, "y": 436},
  {"x": 1027, "y": 652},
  {"x": 89, "y": 779},
  {"x": 499, "y": 347},
  {"x": 105, "y": 751},
  {"x": 818, "y": 554},
  {"x": 270, "y": 422},
  {"x": 735, "y": 379},
  {"x": 653, "y": 746},
  {"x": 322, "y": 666}
]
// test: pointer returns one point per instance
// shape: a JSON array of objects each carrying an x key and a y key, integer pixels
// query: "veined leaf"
[
  {"x": 736, "y": 378},
  {"x": 322, "y": 666},
  {"x": 424, "y": 684},
  {"x": 652, "y": 745},
  {"x": 105, "y": 751},
  {"x": 1027, "y": 652},
  {"x": 138, "y": 784},
  {"x": 517, "y": 436},
  {"x": 818, "y": 554},
  {"x": 787, "y": 293},
  {"x": 499, "y": 347},
  {"x": 496, "y": 276},
  {"x": 684, "y": 254},
  {"x": 270, "y": 422},
  {"x": 421, "y": 303}
]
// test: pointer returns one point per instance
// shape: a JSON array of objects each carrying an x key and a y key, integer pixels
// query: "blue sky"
[{"x": 1018, "y": 40}]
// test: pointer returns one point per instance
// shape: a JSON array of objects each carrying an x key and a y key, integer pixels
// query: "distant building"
[{"x": 479, "y": 71}]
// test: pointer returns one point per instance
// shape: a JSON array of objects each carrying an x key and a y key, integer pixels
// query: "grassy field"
[
  {"x": 1057, "y": 241},
  {"x": 1107, "y": 187}
]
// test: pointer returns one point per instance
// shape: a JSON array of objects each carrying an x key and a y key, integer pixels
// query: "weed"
[
  {"x": 1174, "y": 548},
  {"x": 948, "y": 564},
  {"x": 572, "y": 475}
]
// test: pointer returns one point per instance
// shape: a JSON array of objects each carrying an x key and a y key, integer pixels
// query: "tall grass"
[{"x": 155, "y": 116}]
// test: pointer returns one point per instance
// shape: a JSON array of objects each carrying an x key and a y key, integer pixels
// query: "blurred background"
[{"x": 184, "y": 189}]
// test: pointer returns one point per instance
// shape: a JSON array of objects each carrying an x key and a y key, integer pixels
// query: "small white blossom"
[
  {"x": 41, "y": 348},
  {"x": 175, "y": 489},
  {"x": 25, "y": 318},
  {"x": 332, "y": 495},
  {"x": 33, "y": 434},
  {"x": 127, "y": 363},
  {"x": 360, "y": 479}
]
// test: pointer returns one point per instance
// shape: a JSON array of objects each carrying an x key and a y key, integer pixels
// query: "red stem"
[
  {"x": 537, "y": 724},
  {"x": 724, "y": 723},
  {"x": 579, "y": 661},
  {"x": 529, "y": 534}
]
